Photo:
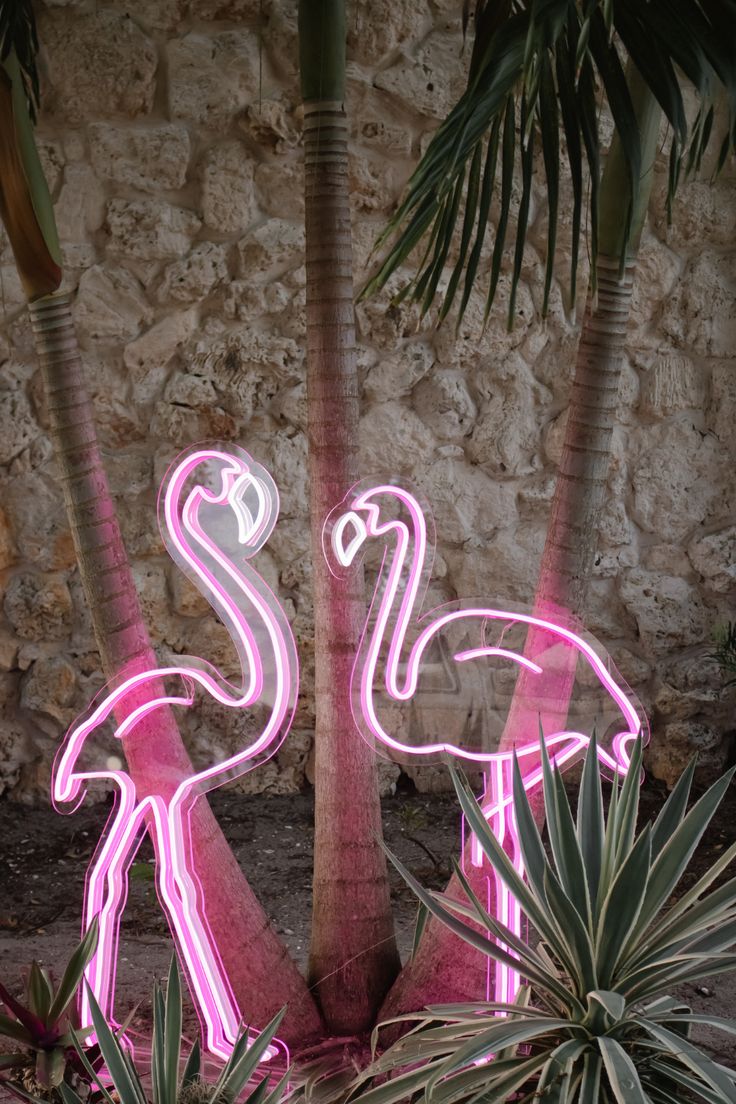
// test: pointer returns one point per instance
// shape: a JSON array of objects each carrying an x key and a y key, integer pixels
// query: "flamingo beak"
[
  {"x": 344, "y": 545},
  {"x": 251, "y": 526}
]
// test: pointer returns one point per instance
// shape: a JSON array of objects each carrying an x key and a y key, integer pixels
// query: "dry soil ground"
[{"x": 43, "y": 858}]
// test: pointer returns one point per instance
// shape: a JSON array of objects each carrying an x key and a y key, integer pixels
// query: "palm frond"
[
  {"x": 18, "y": 35},
  {"x": 545, "y": 66}
]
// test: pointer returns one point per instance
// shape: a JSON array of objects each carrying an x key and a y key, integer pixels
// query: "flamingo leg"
[
  {"x": 106, "y": 892},
  {"x": 182, "y": 898}
]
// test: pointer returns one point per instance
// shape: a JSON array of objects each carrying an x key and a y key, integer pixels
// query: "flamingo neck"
[
  {"x": 219, "y": 579},
  {"x": 397, "y": 589}
]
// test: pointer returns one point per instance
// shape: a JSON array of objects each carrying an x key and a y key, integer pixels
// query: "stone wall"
[{"x": 170, "y": 136}]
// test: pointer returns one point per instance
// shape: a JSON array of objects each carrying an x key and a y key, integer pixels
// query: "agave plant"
[
  {"x": 42, "y": 1029},
  {"x": 594, "y": 1023},
  {"x": 169, "y": 1084}
]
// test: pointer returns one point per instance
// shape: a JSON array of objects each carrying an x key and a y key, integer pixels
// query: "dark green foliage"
[{"x": 541, "y": 66}]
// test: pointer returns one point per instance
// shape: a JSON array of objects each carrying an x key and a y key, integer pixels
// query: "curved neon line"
[{"x": 167, "y": 818}]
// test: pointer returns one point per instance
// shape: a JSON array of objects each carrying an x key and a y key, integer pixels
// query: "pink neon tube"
[
  {"x": 267, "y": 654},
  {"x": 393, "y": 651}
]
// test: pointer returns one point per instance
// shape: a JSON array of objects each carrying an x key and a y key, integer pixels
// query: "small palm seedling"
[
  {"x": 169, "y": 1084},
  {"x": 41, "y": 1029},
  {"x": 594, "y": 1023}
]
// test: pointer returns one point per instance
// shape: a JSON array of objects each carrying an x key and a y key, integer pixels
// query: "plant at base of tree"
[
  {"x": 724, "y": 652},
  {"x": 594, "y": 1023},
  {"x": 169, "y": 1085},
  {"x": 41, "y": 1029}
]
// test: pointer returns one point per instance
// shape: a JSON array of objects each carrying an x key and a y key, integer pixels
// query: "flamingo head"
[
  {"x": 230, "y": 492},
  {"x": 372, "y": 509}
]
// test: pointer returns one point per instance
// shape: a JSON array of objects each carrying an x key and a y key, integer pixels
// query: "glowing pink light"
[
  {"x": 396, "y": 640},
  {"x": 267, "y": 655}
]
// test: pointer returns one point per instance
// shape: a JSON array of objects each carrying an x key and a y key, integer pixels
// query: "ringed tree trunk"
[
  {"x": 353, "y": 957},
  {"x": 262, "y": 976},
  {"x": 445, "y": 968}
]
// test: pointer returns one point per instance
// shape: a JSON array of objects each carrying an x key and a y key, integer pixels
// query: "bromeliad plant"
[
  {"x": 594, "y": 1023},
  {"x": 170, "y": 1085},
  {"x": 41, "y": 1030}
]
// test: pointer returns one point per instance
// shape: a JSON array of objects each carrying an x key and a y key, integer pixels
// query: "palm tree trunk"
[
  {"x": 353, "y": 956},
  {"x": 262, "y": 976},
  {"x": 445, "y": 968}
]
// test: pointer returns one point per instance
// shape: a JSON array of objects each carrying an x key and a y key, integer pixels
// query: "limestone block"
[
  {"x": 80, "y": 208},
  {"x": 396, "y": 374},
  {"x": 150, "y": 229},
  {"x": 374, "y": 183},
  {"x": 247, "y": 368},
  {"x": 16, "y": 749},
  {"x": 270, "y": 249},
  {"x": 182, "y": 425},
  {"x": 153, "y": 350},
  {"x": 714, "y": 559},
  {"x": 8, "y": 550},
  {"x": 196, "y": 275},
  {"x": 701, "y": 312},
  {"x": 701, "y": 212},
  {"x": 237, "y": 10},
  {"x": 137, "y": 517},
  {"x": 48, "y": 691},
  {"x": 506, "y": 435},
  {"x": 150, "y": 158},
  {"x": 186, "y": 599},
  {"x": 372, "y": 125},
  {"x": 160, "y": 15},
  {"x": 721, "y": 408},
  {"x": 444, "y": 403},
  {"x": 149, "y": 577},
  {"x": 677, "y": 705},
  {"x": 280, "y": 187},
  {"x": 657, "y": 271},
  {"x": 228, "y": 199},
  {"x": 212, "y": 78},
  {"x": 18, "y": 427},
  {"x": 270, "y": 123},
  {"x": 8, "y": 651},
  {"x": 98, "y": 63},
  {"x": 377, "y": 28},
  {"x": 673, "y": 383},
  {"x": 501, "y": 568},
  {"x": 286, "y": 459},
  {"x": 110, "y": 304},
  {"x": 51, "y": 156},
  {"x": 38, "y": 607},
  {"x": 430, "y": 79},
  {"x": 672, "y": 748},
  {"x": 36, "y": 510},
  {"x": 668, "y": 610},
  {"x": 393, "y": 440},
  {"x": 674, "y": 496},
  {"x": 464, "y": 500}
]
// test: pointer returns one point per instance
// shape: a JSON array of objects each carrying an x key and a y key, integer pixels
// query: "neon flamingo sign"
[
  {"x": 212, "y": 530},
  {"x": 395, "y": 649},
  {"x": 217, "y": 509}
]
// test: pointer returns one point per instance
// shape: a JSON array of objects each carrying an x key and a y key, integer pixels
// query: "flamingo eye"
[{"x": 345, "y": 545}]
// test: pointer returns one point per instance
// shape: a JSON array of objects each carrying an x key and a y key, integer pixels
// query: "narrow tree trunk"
[
  {"x": 262, "y": 976},
  {"x": 445, "y": 968},
  {"x": 353, "y": 956}
]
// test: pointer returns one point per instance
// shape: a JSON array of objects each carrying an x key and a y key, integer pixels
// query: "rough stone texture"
[
  {"x": 175, "y": 166},
  {"x": 99, "y": 63},
  {"x": 212, "y": 78},
  {"x": 153, "y": 158},
  {"x": 149, "y": 229},
  {"x": 227, "y": 188}
]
